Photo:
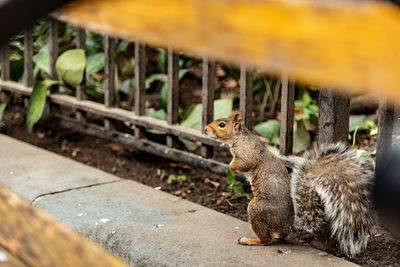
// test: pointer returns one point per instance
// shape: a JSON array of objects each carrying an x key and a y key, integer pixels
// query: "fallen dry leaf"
[
  {"x": 179, "y": 165},
  {"x": 75, "y": 152},
  {"x": 64, "y": 146},
  {"x": 115, "y": 148},
  {"x": 41, "y": 135},
  {"x": 215, "y": 184}
]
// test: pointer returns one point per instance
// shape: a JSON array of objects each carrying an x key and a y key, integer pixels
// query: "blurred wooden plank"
[
  {"x": 287, "y": 116},
  {"x": 338, "y": 44},
  {"x": 208, "y": 89},
  {"x": 333, "y": 119},
  {"x": 173, "y": 93},
  {"x": 16, "y": 15},
  {"x": 246, "y": 94},
  {"x": 7, "y": 259},
  {"x": 33, "y": 237}
]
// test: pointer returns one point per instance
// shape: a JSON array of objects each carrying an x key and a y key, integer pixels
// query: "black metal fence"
[{"x": 333, "y": 107}]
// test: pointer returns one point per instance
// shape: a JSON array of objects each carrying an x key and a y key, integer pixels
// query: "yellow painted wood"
[
  {"x": 339, "y": 44},
  {"x": 32, "y": 237}
]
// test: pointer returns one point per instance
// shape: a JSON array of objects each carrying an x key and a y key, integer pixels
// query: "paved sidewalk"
[{"x": 142, "y": 225}]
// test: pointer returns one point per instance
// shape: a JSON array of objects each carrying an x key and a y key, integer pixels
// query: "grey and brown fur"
[
  {"x": 331, "y": 192},
  {"x": 271, "y": 209},
  {"x": 328, "y": 194}
]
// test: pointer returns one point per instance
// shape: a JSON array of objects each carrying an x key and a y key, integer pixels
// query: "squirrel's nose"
[{"x": 206, "y": 129}]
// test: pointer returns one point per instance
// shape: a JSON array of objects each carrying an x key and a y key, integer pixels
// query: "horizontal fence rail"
[{"x": 333, "y": 107}]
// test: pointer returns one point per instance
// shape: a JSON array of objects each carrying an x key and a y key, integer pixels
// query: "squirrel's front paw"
[
  {"x": 242, "y": 240},
  {"x": 252, "y": 242},
  {"x": 248, "y": 242}
]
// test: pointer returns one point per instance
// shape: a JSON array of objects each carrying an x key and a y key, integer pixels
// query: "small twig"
[{"x": 229, "y": 203}]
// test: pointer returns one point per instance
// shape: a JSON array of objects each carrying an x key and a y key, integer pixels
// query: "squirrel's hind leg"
[
  {"x": 262, "y": 242},
  {"x": 267, "y": 225}
]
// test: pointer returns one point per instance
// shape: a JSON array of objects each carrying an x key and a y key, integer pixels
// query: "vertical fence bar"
[
  {"x": 396, "y": 125},
  {"x": 109, "y": 74},
  {"x": 28, "y": 59},
  {"x": 208, "y": 88},
  {"x": 287, "y": 116},
  {"x": 28, "y": 56},
  {"x": 140, "y": 85},
  {"x": 53, "y": 48},
  {"x": 173, "y": 93},
  {"x": 5, "y": 69},
  {"x": 81, "y": 88},
  {"x": 385, "y": 128},
  {"x": 246, "y": 94},
  {"x": 334, "y": 110},
  {"x": 81, "y": 44}
]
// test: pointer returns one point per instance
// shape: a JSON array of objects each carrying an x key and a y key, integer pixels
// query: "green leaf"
[
  {"x": 302, "y": 138},
  {"x": 269, "y": 129},
  {"x": 230, "y": 178},
  {"x": 164, "y": 95},
  {"x": 359, "y": 122},
  {"x": 155, "y": 77},
  {"x": 125, "y": 86},
  {"x": 121, "y": 46},
  {"x": 16, "y": 68},
  {"x": 355, "y": 121},
  {"x": 307, "y": 98},
  {"x": 164, "y": 88},
  {"x": 369, "y": 125},
  {"x": 182, "y": 73},
  {"x": 95, "y": 63},
  {"x": 222, "y": 109},
  {"x": 3, "y": 106},
  {"x": 70, "y": 66},
  {"x": 162, "y": 59},
  {"x": 36, "y": 105},
  {"x": 42, "y": 59},
  {"x": 158, "y": 114},
  {"x": 190, "y": 145}
]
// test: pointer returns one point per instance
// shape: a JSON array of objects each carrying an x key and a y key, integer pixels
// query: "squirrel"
[{"x": 328, "y": 193}]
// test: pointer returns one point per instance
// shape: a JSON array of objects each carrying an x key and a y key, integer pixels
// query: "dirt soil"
[{"x": 196, "y": 185}]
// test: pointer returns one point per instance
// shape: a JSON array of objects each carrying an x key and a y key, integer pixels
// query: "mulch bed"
[{"x": 202, "y": 187}]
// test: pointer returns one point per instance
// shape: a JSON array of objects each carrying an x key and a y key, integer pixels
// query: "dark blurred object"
[
  {"x": 387, "y": 189},
  {"x": 397, "y": 2},
  {"x": 15, "y": 15}
]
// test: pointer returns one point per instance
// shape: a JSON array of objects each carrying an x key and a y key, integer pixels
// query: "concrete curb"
[{"x": 142, "y": 225}]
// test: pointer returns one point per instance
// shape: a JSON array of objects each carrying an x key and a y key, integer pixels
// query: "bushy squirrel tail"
[{"x": 345, "y": 195}]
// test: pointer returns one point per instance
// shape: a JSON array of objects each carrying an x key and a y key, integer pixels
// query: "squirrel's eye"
[{"x": 221, "y": 125}]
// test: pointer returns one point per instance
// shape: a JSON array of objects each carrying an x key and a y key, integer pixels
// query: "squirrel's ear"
[
  {"x": 237, "y": 119},
  {"x": 237, "y": 125},
  {"x": 237, "y": 116}
]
